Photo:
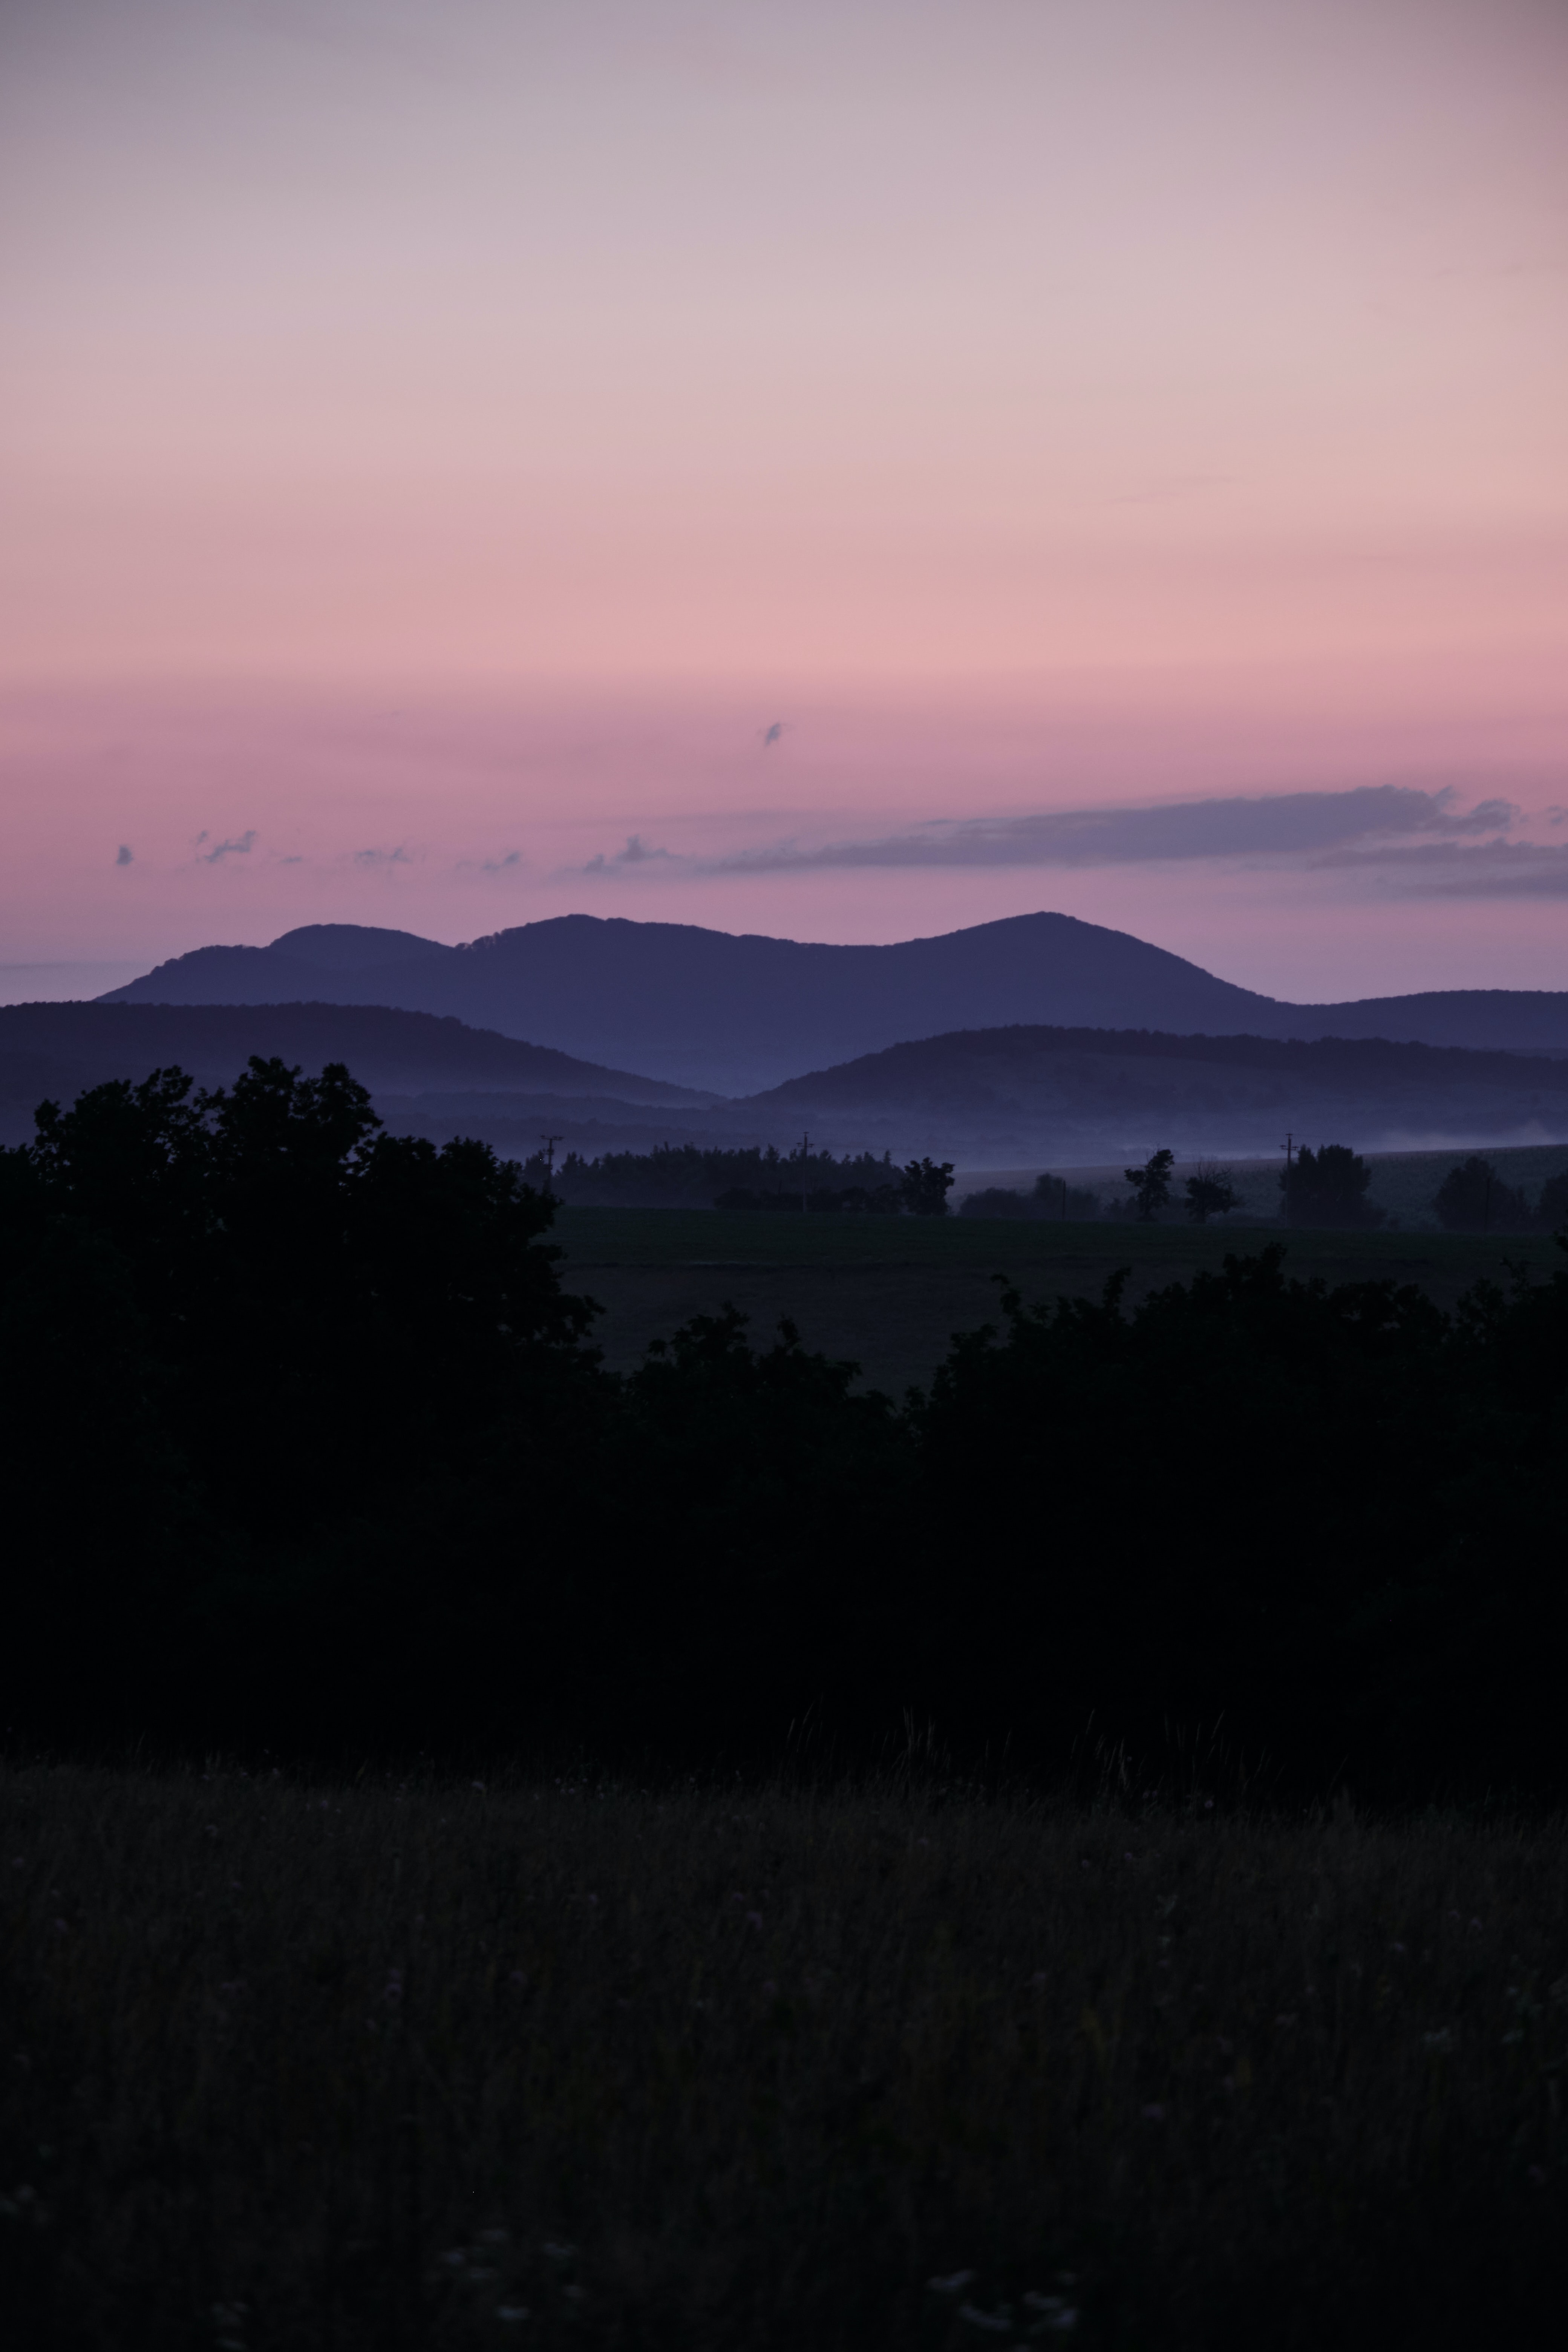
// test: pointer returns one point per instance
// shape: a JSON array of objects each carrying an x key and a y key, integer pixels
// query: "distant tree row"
[
  {"x": 918, "y": 1190},
  {"x": 1210, "y": 1192},
  {"x": 689, "y": 1176},
  {"x": 1323, "y": 1188},
  {"x": 1474, "y": 1199}
]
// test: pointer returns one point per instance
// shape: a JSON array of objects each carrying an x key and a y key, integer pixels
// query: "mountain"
[
  {"x": 1009, "y": 1097},
  {"x": 710, "y": 1009},
  {"x": 55, "y": 1050}
]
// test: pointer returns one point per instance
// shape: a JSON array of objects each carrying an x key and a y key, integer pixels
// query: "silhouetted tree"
[
  {"x": 998, "y": 1201},
  {"x": 1054, "y": 1197},
  {"x": 926, "y": 1186},
  {"x": 1327, "y": 1188},
  {"x": 1474, "y": 1199},
  {"x": 1211, "y": 1192},
  {"x": 1151, "y": 1184},
  {"x": 1552, "y": 1209}
]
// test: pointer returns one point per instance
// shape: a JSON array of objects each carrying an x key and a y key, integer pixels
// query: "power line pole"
[
  {"x": 550, "y": 1143},
  {"x": 805, "y": 1156}
]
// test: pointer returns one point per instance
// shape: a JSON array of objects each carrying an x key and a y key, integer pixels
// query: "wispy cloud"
[
  {"x": 636, "y": 853},
  {"x": 124, "y": 855},
  {"x": 1424, "y": 841},
  {"x": 1291, "y": 825},
  {"x": 222, "y": 849},
  {"x": 377, "y": 860}
]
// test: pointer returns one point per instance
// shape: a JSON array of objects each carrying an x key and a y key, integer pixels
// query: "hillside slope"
[
  {"x": 708, "y": 1009},
  {"x": 1079, "y": 1095},
  {"x": 55, "y": 1050},
  {"x": 996, "y": 1097}
]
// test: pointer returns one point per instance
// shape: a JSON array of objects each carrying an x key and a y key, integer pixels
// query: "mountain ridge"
[{"x": 738, "y": 1013}]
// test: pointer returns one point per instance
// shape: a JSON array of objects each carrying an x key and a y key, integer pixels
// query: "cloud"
[
  {"x": 636, "y": 853},
  {"x": 122, "y": 855},
  {"x": 501, "y": 865},
  {"x": 222, "y": 849},
  {"x": 378, "y": 860},
  {"x": 1293, "y": 824}
]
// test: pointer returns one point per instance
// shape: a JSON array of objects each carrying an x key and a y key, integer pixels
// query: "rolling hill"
[
  {"x": 711, "y": 1010},
  {"x": 1078, "y": 1096},
  {"x": 56, "y": 1050},
  {"x": 995, "y": 1096}
]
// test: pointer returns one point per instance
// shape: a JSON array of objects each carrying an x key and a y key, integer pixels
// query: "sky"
[{"x": 829, "y": 467}]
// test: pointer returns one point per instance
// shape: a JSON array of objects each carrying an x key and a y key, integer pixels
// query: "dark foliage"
[
  {"x": 925, "y": 1187},
  {"x": 303, "y": 1445},
  {"x": 687, "y": 1175},
  {"x": 1151, "y": 1184},
  {"x": 998, "y": 1201},
  {"x": 855, "y": 1200},
  {"x": 1327, "y": 1188},
  {"x": 1474, "y": 1199},
  {"x": 1211, "y": 1192},
  {"x": 1052, "y": 1197}
]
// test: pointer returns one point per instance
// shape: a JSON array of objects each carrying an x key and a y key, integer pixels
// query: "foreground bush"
[
  {"x": 304, "y": 1447},
  {"x": 292, "y": 2063}
]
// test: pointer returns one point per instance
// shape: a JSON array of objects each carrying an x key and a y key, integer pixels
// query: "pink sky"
[{"x": 441, "y": 439}]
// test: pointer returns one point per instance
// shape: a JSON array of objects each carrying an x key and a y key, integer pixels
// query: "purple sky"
[{"x": 444, "y": 440}]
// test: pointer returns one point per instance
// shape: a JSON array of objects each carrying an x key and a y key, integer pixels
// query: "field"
[
  {"x": 301, "y": 2063},
  {"x": 890, "y": 1292}
]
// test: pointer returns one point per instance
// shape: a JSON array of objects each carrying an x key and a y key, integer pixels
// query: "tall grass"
[{"x": 291, "y": 2063}]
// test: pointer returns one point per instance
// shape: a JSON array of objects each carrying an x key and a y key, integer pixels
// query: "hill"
[
  {"x": 986, "y": 1097},
  {"x": 55, "y": 1050},
  {"x": 711, "y": 1010},
  {"x": 1074, "y": 1095}
]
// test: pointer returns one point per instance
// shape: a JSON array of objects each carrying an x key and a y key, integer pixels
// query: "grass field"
[
  {"x": 890, "y": 1292},
  {"x": 294, "y": 2065}
]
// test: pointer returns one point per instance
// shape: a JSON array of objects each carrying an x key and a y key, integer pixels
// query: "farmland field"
[{"x": 888, "y": 1292}]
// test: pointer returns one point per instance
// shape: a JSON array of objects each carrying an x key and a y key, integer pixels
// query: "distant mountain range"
[
  {"x": 707, "y": 1010},
  {"x": 1003, "y": 1097}
]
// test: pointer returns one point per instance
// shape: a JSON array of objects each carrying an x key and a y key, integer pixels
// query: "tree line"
[
  {"x": 1326, "y": 1187},
  {"x": 307, "y": 1445},
  {"x": 756, "y": 1176}
]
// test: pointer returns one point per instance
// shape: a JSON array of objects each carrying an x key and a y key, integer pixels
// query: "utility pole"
[
  {"x": 805, "y": 1156},
  {"x": 550, "y": 1143}
]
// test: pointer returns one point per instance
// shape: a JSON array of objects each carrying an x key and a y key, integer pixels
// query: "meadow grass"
[{"x": 300, "y": 2062}]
